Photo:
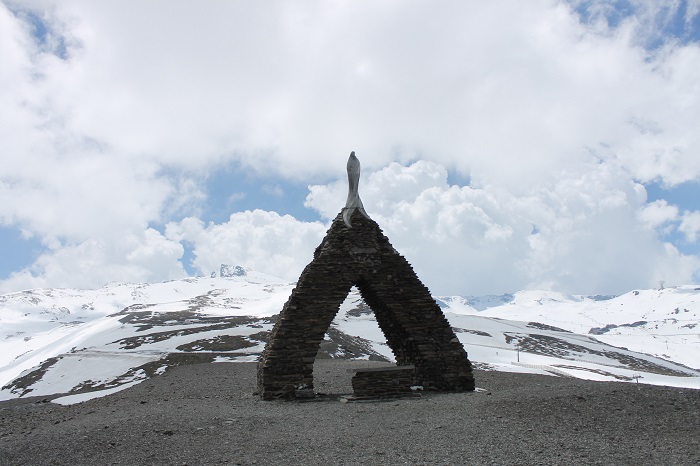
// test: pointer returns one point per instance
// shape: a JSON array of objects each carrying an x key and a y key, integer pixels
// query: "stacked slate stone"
[
  {"x": 413, "y": 324},
  {"x": 384, "y": 382}
]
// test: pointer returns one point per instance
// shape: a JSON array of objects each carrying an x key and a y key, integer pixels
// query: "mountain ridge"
[{"x": 82, "y": 341}]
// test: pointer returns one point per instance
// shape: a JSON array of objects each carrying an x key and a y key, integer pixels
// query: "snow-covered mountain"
[{"x": 93, "y": 342}]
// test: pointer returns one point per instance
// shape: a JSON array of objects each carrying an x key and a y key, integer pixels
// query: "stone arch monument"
[{"x": 355, "y": 252}]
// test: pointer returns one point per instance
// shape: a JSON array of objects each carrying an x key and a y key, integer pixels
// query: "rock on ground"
[{"x": 207, "y": 414}]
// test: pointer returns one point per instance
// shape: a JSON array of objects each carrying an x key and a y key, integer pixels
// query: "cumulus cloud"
[
  {"x": 690, "y": 226},
  {"x": 284, "y": 87},
  {"x": 144, "y": 257},
  {"x": 263, "y": 241},
  {"x": 581, "y": 233},
  {"x": 658, "y": 213},
  {"x": 114, "y": 114}
]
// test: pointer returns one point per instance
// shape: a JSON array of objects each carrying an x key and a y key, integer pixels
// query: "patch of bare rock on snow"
[{"x": 208, "y": 414}]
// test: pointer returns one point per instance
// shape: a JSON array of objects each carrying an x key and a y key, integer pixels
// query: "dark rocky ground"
[{"x": 206, "y": 414}]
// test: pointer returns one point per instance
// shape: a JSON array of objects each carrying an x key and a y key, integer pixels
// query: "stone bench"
[{"x": 383, "y": 382}]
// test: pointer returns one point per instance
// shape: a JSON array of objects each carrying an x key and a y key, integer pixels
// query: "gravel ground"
[{"x": 207, "y": 414}]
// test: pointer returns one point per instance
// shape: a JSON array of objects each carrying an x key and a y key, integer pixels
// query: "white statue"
[{"x": 354, "y": 202}]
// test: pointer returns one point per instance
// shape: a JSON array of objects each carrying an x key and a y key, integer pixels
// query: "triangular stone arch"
[{"x": 415, "y": 328}]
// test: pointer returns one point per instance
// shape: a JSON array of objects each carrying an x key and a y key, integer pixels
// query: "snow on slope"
[
  {"x": 663, "y": 323},
  {"x": 78, "y": 341},
  {"x": 53, "y": 337}
]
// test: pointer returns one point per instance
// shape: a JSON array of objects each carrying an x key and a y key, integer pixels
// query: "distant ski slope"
[
  {"x": 95, "y": 341},
  {"x": 663, "y": 323}
]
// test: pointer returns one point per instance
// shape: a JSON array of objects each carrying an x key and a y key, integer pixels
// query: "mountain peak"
[{"x": 228, "y": 271}]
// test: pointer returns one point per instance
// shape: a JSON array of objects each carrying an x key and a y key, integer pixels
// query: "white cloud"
[
  {"x": 554, "y": 122},
  {"x": 579, "y": 234},
  {"x": 690, "y": 226},
  {"x": 263, "y": 241},
  {"x": 146, "y": 257},
  {"x": 658, "y": 213},
  {"x": 291, "y": 88}
]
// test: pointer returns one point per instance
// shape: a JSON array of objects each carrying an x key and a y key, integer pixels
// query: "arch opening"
[{"x": 353, "y": 341}]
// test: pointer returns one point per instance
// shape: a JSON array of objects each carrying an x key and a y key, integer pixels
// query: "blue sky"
[
  {"x": 17, "y": 252},
  {"x": 687, "y": 197},
  {"x": 662, "y": 21},
  {"x": 504, "y": 146}
]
